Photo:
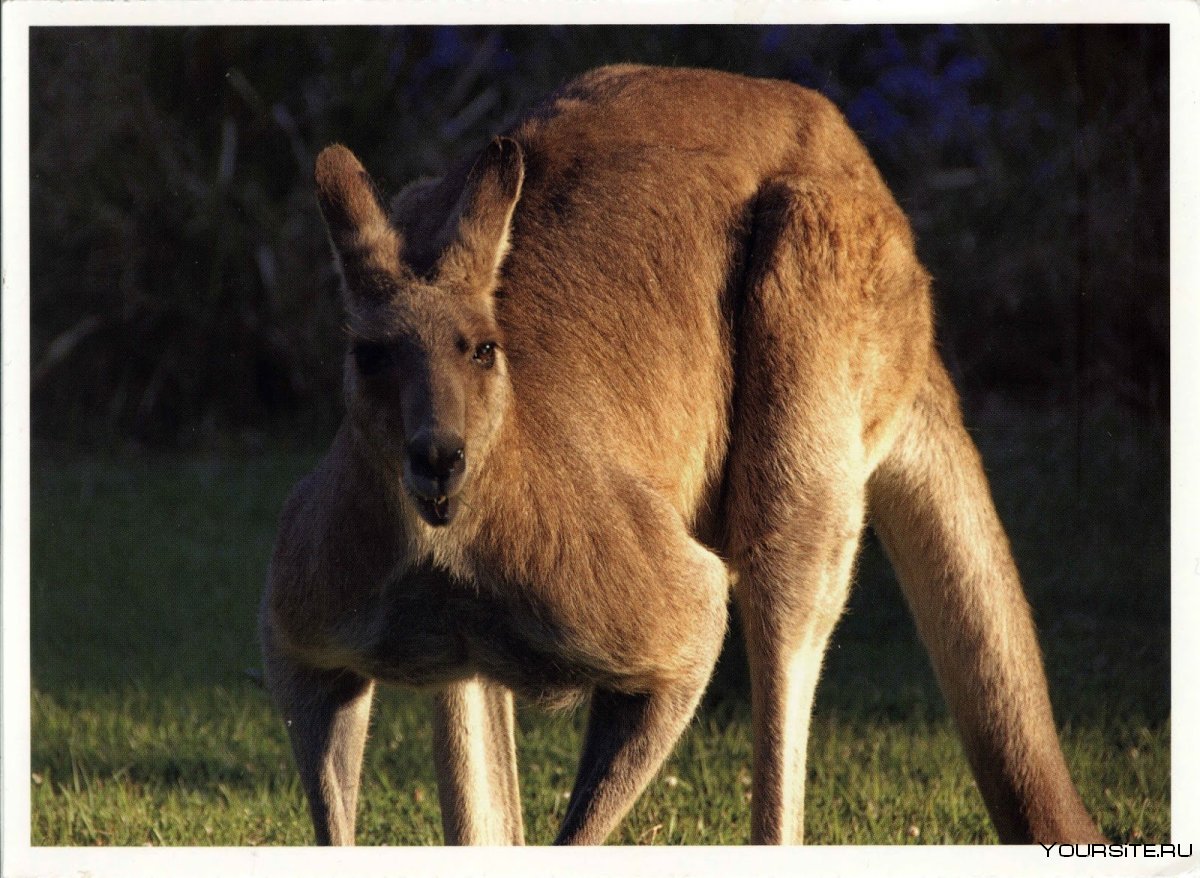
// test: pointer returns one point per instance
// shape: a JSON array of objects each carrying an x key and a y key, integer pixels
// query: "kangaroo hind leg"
[
  {"x": 793, "y": 583},
  {"x": 932, "y": 509},
  {"x": 798, "y": 464}
]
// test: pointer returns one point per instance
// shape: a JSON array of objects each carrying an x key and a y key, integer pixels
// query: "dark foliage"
[{"x": 182, "y": 291}]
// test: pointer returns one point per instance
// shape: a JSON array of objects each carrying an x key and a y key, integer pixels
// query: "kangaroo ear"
[
  {"x": 484, "y": 216},
  {"x": 365, "y": 243}
]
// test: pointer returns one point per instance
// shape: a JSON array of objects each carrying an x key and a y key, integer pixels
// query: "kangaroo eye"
[
  {"x": 485, "y": 354},
  {"x": 371, "y": 359}
]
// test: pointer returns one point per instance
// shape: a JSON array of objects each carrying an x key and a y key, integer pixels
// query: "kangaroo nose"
[{"x": 437, "y": 458}]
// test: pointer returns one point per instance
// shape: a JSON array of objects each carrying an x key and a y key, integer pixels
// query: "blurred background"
[
  {"x": 182, "y": 292},
  {"x": 186, "y": 365}
]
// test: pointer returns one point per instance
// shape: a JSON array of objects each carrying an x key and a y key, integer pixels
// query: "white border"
[
  {"x": 20, "y": 860},
  {"x": 610, "y": 862},
  {"x": 416, "y": 12},
  {"x": 14, "y": 445},
  {"x": 1185, "y": 423}
]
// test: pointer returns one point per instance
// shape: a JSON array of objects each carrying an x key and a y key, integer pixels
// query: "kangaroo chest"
[{"x": 425, "y": 629}]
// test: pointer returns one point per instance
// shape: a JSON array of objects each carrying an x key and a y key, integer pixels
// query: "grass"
[{"x": 148, "y": 728}]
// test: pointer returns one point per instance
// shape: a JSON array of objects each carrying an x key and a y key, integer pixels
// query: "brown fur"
[{"x": 712, "y": 355}]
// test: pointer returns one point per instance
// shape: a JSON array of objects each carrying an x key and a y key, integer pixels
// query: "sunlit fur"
[{"x": 714, "y": 358}]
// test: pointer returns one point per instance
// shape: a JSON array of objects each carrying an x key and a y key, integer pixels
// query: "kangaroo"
[{"x": 664, "y": 342}]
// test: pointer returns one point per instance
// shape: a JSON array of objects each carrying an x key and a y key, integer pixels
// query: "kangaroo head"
[{"x": 425, "y": 377}]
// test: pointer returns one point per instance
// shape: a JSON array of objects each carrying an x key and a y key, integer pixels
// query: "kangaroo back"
[{"x": 931, "y": 507}]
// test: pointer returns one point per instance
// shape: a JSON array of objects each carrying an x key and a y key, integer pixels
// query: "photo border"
[{"x": 20, "y": 859}]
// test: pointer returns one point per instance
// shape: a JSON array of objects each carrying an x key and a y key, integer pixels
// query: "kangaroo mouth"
[{"x": 437, "y": 511}]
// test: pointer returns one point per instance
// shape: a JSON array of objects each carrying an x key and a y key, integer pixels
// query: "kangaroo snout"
[
  {"x": 436, "y": 461},
  {"x": 435, "y": 466}
]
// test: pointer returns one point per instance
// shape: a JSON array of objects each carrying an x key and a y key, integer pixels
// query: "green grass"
[{"x": 148, "y": 728}]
